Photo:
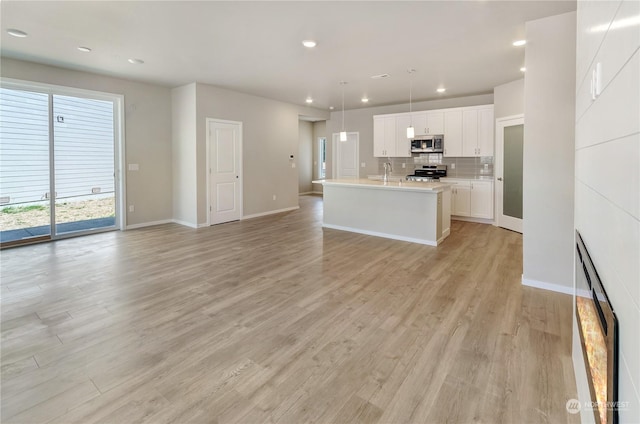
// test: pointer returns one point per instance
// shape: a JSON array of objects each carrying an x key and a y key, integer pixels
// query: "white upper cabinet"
[
  {"x": 453, "y": 133},
  {"x": 468, "y": 131},
  {"x": 386, "y": 140},
  {"x": 428, "y": 123},
  {"x": 435, "y": 123},
  {"x": 485, "y": 132},
  {"x": 419, "y": 121},
  {"x": 378, "y": 136},
  {"x": 402, "y": 144},
  {"x": 477, "y": 131}
]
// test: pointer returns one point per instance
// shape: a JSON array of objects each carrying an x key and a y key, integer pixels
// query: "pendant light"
[
  {"x": 410, "y": 130},
  {"x": 343, "y": 133}
]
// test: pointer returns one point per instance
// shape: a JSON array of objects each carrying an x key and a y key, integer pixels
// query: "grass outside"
[{"x": 17, "y": 217}]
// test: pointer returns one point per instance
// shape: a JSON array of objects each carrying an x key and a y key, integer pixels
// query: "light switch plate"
[
  {"x": 134, "y": 167},
  {"x": 363, "y": 165}
]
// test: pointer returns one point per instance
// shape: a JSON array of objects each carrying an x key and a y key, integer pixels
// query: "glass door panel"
[
  {"x": 25, "y": 211},
  {"x": 83, "y": 140},
  {"x": 512, "y": 193}
]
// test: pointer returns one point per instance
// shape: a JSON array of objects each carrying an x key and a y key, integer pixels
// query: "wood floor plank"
[{"x": 277, "y": 320}]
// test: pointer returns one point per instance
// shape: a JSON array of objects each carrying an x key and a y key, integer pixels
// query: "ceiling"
[{"x": 256, "y": 47}]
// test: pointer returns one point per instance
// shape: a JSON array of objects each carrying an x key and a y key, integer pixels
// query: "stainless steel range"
[{"x": 428, "y": 173}]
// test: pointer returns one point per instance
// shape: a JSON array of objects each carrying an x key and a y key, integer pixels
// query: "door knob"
[{"x": 499, "y": 178}]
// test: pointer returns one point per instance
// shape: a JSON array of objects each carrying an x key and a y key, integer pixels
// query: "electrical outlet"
[
  {"x": 404, "y": 165},
  {"x": 274, "y": 197},
  {"x": 363, "y": 165},
  {"x": 293, "y": 165},
  {"x": 132, "y": 208},
  {"x": 453, "y": 166}
]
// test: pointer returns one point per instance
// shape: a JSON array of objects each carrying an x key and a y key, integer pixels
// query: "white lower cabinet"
[
  {"x": 461, "y": 199},
  {"x": 471, "y": 198},
  {"x": 481, "y": 199}
]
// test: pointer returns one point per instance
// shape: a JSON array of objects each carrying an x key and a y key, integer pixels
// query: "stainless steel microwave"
[{"x": 428, "y": 144}]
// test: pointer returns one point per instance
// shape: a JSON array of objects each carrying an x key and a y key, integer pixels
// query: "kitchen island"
[{"x": 417, "y": 212}]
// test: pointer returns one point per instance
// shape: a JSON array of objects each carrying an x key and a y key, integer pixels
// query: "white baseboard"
[
  {"x": 469, "y": 219},
  {"x": 317, "y": 192},
  {"x": 306, "y": 193},
  {"x": 377, "y": 234},
  {"x": 185, "y": 223},
  {"x": 445, "y": 234},
  {"x": 257, "y": 215},
  {"x": 149, "y": 224},
  {"x": 547, "y": 286}
]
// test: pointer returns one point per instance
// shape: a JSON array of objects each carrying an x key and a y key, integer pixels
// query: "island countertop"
[{"x": 436, "y": 187}]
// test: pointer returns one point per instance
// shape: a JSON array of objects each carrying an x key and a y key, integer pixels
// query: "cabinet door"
[
  {"x": 378, "y": 137},
  {"x": 461, "y": 199},
  {"x": 485, "y": 132},
  {"x": 482, "y": 199},
  {"x": 419, "y": 121},
  {"x": 453, "y": 133},
  {"x": 401, "y": 148},
  {"x": 435, "y": 123},
  {"x": 389, "y": 136},
  {"x": 470, "y": 133}
]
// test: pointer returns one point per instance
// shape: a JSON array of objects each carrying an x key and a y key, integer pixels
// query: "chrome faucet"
[{"x": 387, "y": 171}]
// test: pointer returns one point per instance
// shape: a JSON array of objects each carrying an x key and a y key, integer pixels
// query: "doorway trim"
[
  {"x": 501, "y": 124},
  {"x": 119, "y": 145},
  {"x": 335, "y": 139},
  {"x": 209, "y": 121}
]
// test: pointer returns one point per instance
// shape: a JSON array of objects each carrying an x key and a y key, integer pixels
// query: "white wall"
[
  {"x": 548, "y": 156},
  {"x": 508, "y": 99},
  {"x": 607, "y": 202},
  {"x": 305, "y": 156},
  {"x": 361, "y": 120},
  {"x": 270, "y": 136},
  {"x": 147, "y": 132},
  {"x": 183, "y": 112}
]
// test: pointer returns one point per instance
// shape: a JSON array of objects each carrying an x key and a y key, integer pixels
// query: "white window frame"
[
  {"x": 118, "y": 134},
  {"x": 322, "y": 173}
]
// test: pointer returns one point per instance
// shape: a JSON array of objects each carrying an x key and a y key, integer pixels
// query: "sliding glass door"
[
  {"x": 83, "y": 151},
  {"x": 58, "y": 165},
  {"x": 25, "y": 208}
]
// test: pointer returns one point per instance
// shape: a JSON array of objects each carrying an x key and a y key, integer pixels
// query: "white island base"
[{"x": 410, "y": 211}]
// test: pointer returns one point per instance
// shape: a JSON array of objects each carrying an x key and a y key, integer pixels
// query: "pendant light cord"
[{"x": 342, "y": 83}]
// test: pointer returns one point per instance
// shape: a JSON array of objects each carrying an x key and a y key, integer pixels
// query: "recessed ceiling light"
[
  {"x": 309, "y": 43},
  {"x": 331, "y": 108},
  {"x": 365, "y": 100},
  {"x": 309, "y": 100},
  {"x": 441, "y": 90},
  {"x": 136, "y": 61},
  {"x": 17, "y": 33},
  {"x": 523, "y": 69},
  {"x": 519, "y": 43},
  {"x": 84, "y": 49}
]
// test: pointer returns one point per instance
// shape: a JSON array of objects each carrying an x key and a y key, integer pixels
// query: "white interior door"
[
  {"x": 346, "y": 156},
  {"x": 508, "y": 171},
  {"x": 224, "y": 147}
]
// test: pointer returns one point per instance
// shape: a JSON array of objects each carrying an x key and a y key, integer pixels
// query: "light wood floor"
[{"x": 275, "y": 320}]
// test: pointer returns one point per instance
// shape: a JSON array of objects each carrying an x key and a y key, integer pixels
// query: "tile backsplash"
[{"x": 456, "y": 167}]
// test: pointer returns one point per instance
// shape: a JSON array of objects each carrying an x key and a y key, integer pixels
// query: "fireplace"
[{"x": 598, "y": 328}]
